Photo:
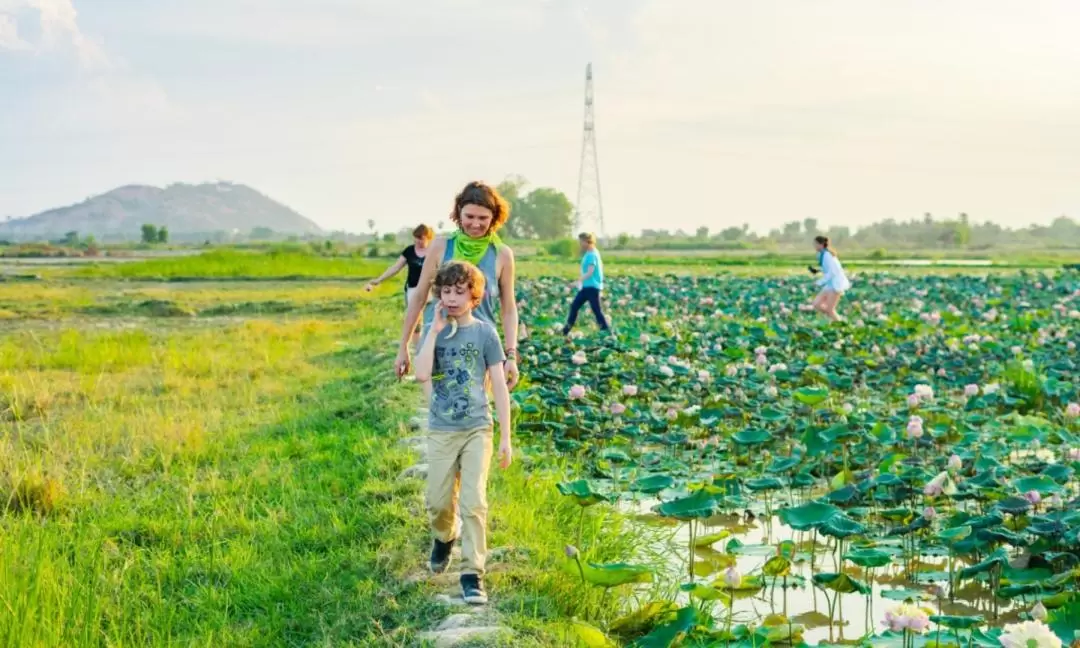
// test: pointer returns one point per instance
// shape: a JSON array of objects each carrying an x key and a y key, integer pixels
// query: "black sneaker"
[
  {"x": 440, "y": 556},
  {"x": 472, "y": 589}
]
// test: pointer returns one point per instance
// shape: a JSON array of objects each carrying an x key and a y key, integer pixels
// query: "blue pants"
[{"x": 592, "y": 296}]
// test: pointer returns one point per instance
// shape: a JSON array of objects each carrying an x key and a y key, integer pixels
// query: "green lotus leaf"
[
  {"x": 589, "y": 636},
  {"x": 841, "y": 526},
  {"x": 672, "y": 633},
  {"x": 868, "y": 558},
  {"x": 699, "y": 505},
  {"x": 840, "y": 583},
  {"x": 811, "y": 395},
  {"x": 998, "y": 559},
  {"x": 954, "y": 622},
  {"x": 783, "y": 464},
  {"x": 711, "y": 538},
  {"x": 641, "y": 620},
  {"x": 764, "y": 484},
  {"x": 652, "y": 484},
  {"x": 751, "y": 437},
  {"x": 1040, "y": 483},
  {"x": 954, "y": 534},
  {"x": 773, "y": 415},
  {"x": 777, "y": 566},
  {"x": 902, "y": 594},
  {"x": 610, "y": 574},
  {"x": 807, "y": 516},
  {"x": 585, "y": 492}
]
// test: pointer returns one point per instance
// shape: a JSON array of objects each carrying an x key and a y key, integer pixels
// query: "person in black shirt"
[{"x": 411, "y": 258}]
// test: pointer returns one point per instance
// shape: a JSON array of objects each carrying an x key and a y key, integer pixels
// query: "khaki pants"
[{"x": 458, "y": 465}]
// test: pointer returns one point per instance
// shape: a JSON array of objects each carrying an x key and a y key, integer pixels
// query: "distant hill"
[{"x": 188, "y": 211}]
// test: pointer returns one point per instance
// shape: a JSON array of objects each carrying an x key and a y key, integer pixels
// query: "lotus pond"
[{"x": 908, "y": 476}]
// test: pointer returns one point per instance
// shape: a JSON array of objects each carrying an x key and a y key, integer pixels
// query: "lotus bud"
[
  {"x": 571, "y": 551},
  {"x": 955, "y": 463},
  {"x": 732, "y": 578},
  {"x": 1038, "y": 611}
]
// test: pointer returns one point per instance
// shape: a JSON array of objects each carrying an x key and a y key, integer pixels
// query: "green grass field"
[{"x": 217, "y": 464}]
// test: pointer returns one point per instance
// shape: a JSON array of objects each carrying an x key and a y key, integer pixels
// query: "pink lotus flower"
[
  {"x": 672, "y": 414},
  {"x": 915, "y": 427},
  {"x": 731, "y": 371},
  {"x": 907, "y": 617},
  {"x": 971, "y": 390},
  {"x": 579, "y": 358},
  {"x": 941, "y": 373},
  {"x": 1072, "y": 410},
  {"x": 644, "y": 339},
  {"x": 761, "y": 361},
  {"x": 955, "y": 463},
  {"x": 1073, "y": 454},
  {"x": 617, "y": 408},
  {"x": 667, "y": 371},
  {"x": 913, "y": 400},
  {"x": 929, "y": 513},
  {"x": 1033, "y": 496},
  {"x": 704, "y": 376},
  {"x": 924, "y": 392},
  {"x": 577, "y": 392},
  {"x": 629, "y": 390}
]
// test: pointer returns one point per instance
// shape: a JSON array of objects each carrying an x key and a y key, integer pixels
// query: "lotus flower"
[
  {"x": 579, "y": 358},
  {"x": 667, "y": 371},
  {"x": 913, "y": 400},
  {"x": 731, "y": 371},
  {"x": 1072, "y": 410},
  {"x": 644, "y": 339},
  {"x": 991, "y": 388},
  {"x": 771, "y": 391},
  {"x": 761, "y": 350},
  {"x": 577, "y": 392},
  {"x": 1055, "y": 501},
  {"x": 672, "y": 413},
  {"x": 732, "y": 578},
  {"x": 915, "y": 427},
  {"x": 761, "y": 360},
  {"x": 924, "y": 392},
  {"x": 571, "y": 551},
  {"x": 629, "y": 390},
  {"x": 955, "y": 463},
  {"x": 929, "y": 513},
  {"x": 936, "y": 486},
  {"x": 617, "y": 408},
  {"x": 779, "y": 366},
  {"x": 1029, "y": 634},
  {"x": 649, "y": 360},
  {"x": 1033, "y": 496},
  {"x": 907, "y": 617},
  {"x": 971, "y": 390}
]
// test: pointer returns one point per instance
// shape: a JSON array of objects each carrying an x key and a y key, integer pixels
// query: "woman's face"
[
  {"x": 818, "y": 246},
  {"x": 420, "y": 243},
  {"x": 476, "y": 220}
]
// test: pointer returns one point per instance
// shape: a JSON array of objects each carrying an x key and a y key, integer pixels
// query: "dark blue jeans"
[{"x": 592, "y": 297}]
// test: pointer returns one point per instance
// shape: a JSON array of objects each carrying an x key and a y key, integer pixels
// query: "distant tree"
[
  {"x": 163, "y": 234},
  {"x": 389, "y": 237},
  {"x": 731, "y": 233},
  {"x": 542, "y": 213},
  {"x": 810, "y": 226},
  {"x": 71, "y": 239},
  {"x": 261, "y": 233},
  {"x": 623, "y": 240},
  {"x": 702, "y": 233},
  {"x": 149, "y": 233}
]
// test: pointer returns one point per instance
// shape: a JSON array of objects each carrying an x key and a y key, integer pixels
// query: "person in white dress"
[{"x": 833, "y": 282}]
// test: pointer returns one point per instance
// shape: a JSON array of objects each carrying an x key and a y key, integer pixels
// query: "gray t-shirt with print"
[{"x": 458, "y": 400}]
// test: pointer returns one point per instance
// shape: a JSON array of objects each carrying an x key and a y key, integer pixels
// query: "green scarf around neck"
[{"x": 467, "y": 248}]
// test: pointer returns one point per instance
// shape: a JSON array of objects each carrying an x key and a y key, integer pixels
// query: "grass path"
[{"x": 241, "y": 485}]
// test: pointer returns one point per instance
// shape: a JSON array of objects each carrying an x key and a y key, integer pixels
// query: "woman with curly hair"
[{"x": 479, "y": 211}]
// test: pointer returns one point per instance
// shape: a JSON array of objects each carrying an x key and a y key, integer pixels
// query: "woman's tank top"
[{"x": 488, "y": 310}]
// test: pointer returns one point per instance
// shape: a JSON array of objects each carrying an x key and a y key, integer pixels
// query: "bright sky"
[{"x": 714, "y": 112}]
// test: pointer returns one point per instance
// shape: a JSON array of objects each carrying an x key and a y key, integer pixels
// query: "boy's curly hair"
[
  {"x": 461, "y": 273},
  {"x": 482, "y": 195}
]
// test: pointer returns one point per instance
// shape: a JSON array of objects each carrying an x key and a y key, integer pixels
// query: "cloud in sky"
[
  {"x": 709, "y": 111},
  {"x": 54, "y": 28}
]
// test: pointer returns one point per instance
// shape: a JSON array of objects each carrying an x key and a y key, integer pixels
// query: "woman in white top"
[{"x": 833, "y": 281}]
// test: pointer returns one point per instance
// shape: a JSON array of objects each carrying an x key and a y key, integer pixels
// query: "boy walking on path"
[
  {"x": 460, "y": 356},
  {"x": 591, "y": 283}
]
